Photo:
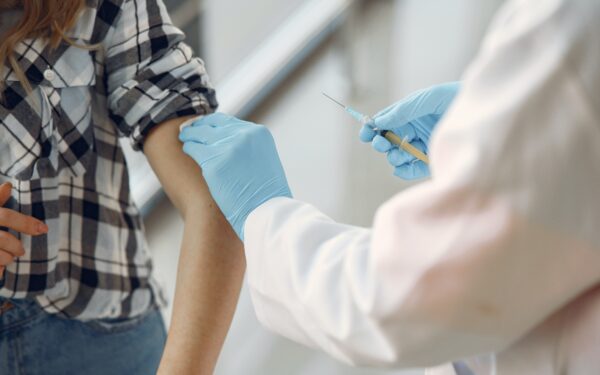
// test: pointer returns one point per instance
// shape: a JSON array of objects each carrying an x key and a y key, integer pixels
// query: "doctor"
[{"x": 495, "y": 258}]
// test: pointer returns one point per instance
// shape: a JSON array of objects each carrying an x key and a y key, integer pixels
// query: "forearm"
[
  {"x": 211, "y": 268},
  {"x": 211, "y": 265}
]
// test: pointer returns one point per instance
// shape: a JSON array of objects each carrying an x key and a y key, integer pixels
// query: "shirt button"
[{"x": 49, "y": 75}]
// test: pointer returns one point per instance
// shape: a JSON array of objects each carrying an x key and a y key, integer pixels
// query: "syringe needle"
[
  {"x": 390, "y": 136},
  {"x": 333, "y": 100}
]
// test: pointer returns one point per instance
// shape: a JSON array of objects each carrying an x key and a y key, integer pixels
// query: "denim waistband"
[{"x": 14, "y": 312}]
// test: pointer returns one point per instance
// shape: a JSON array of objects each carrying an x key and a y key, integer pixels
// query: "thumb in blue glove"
[
  {"x": 413, "y": 119},
  {"x": 239, "y": 162}
]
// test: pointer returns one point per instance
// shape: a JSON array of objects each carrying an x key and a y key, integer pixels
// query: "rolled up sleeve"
[{"x": 151, "y": 75}]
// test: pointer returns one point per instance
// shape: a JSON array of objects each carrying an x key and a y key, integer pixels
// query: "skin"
[
  {"x": 10, "y": 246},
  {"x": 211, "y": 265}
]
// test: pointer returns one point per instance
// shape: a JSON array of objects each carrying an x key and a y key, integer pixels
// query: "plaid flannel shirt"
[{"x": 59, "y": 147}]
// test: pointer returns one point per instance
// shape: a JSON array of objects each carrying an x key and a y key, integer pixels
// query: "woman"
[{"x": 77, "y": 293}]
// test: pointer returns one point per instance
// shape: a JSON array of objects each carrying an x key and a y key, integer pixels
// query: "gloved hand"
[
  {"x": 239, "y": 162},
  {"x": 413, "y": 118}
]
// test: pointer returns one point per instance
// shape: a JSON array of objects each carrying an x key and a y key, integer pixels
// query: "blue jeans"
[{"x": 33, "y": 342}]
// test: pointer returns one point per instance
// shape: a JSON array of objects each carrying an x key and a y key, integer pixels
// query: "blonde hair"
[{"x": 49, "y": 19}]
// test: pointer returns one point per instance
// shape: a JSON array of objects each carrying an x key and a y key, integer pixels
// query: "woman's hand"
[{"x": 11, "y": 246}]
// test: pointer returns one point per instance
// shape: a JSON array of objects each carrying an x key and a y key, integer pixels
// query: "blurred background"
[{"x": 270, "y": 60}]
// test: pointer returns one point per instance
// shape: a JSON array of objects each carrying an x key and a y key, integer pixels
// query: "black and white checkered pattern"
[{"x": 59, "y": 147}]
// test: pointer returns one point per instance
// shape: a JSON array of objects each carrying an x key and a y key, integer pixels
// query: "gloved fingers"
[
  {"x": 380, "y": 144},
  {"x": 434, "y": 100},
  {"x": 403, "y": 113},
  {"x": 397, "y": 157},
  {"x": 215, "y": 119},
  {"x": 386, "y": 110},
  {"x": 207, "y": 134},
  {"x": 367, "y": 134},
  {"x": 201, "y": 153},
  {"x": 420, "y": 145},
  {"x": 412, "y": 171},
  {"x": 423, "y": 126},
  {"x": 407, "y": 132}
]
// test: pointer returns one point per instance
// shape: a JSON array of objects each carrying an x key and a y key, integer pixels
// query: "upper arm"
[
  {"x": 152, "y": 76},
  {"x": 153, "y": 83},
  {"x": 179, "y": 175}
]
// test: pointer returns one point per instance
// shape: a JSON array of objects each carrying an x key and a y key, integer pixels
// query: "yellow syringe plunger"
[{"x": 405, "y": 145}]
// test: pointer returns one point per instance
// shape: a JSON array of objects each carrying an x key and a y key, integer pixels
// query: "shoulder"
[{"x": 107, "y": 14}]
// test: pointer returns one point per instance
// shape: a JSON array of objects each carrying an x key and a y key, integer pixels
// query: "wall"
[{"x": 239, "y": 25}]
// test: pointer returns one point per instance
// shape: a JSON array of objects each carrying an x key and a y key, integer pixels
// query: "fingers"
[
  {"x": 412, "y": 171},
  {"x": 11, "y": 244},
  {"x": 386, "y": 110},
  {"x": 216, "y": 119},
  {"x": 206, "y": 134},
  {"x": 380, "y": 144},
  {"x": 21, "y": 223},
  {"x": 199, "y": 152},
  {"x": 407, "y": 132},
  {"x": 407, "y": 166},
  {"x": 5, "y": 190},
  {"x": 431, "y": 101},
  {"x": 397, "y": 157},
  {"x": 367, "y": 133},
  {"x": 6, "y": 258},
  {"x": 212, "y": 130}
]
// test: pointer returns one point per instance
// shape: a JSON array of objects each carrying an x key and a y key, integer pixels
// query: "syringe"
[{"x": 390, "y": 136}]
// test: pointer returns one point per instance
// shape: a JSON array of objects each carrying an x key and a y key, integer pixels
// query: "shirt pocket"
[{"x": 50, "y": 129}]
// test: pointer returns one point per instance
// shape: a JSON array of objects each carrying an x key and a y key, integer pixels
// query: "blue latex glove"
[
  {"x": 413, "y": 118},
  {"x": 239, "y": 162}
]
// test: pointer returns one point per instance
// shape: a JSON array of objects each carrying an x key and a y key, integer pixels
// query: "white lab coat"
[{"x": 497, "y": 256}]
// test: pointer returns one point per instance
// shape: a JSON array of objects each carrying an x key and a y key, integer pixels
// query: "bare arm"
[{"x": 211, "y": 265}]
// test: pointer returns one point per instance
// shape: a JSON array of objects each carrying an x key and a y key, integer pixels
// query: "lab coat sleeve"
[{"x": 503, "y": 235}]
